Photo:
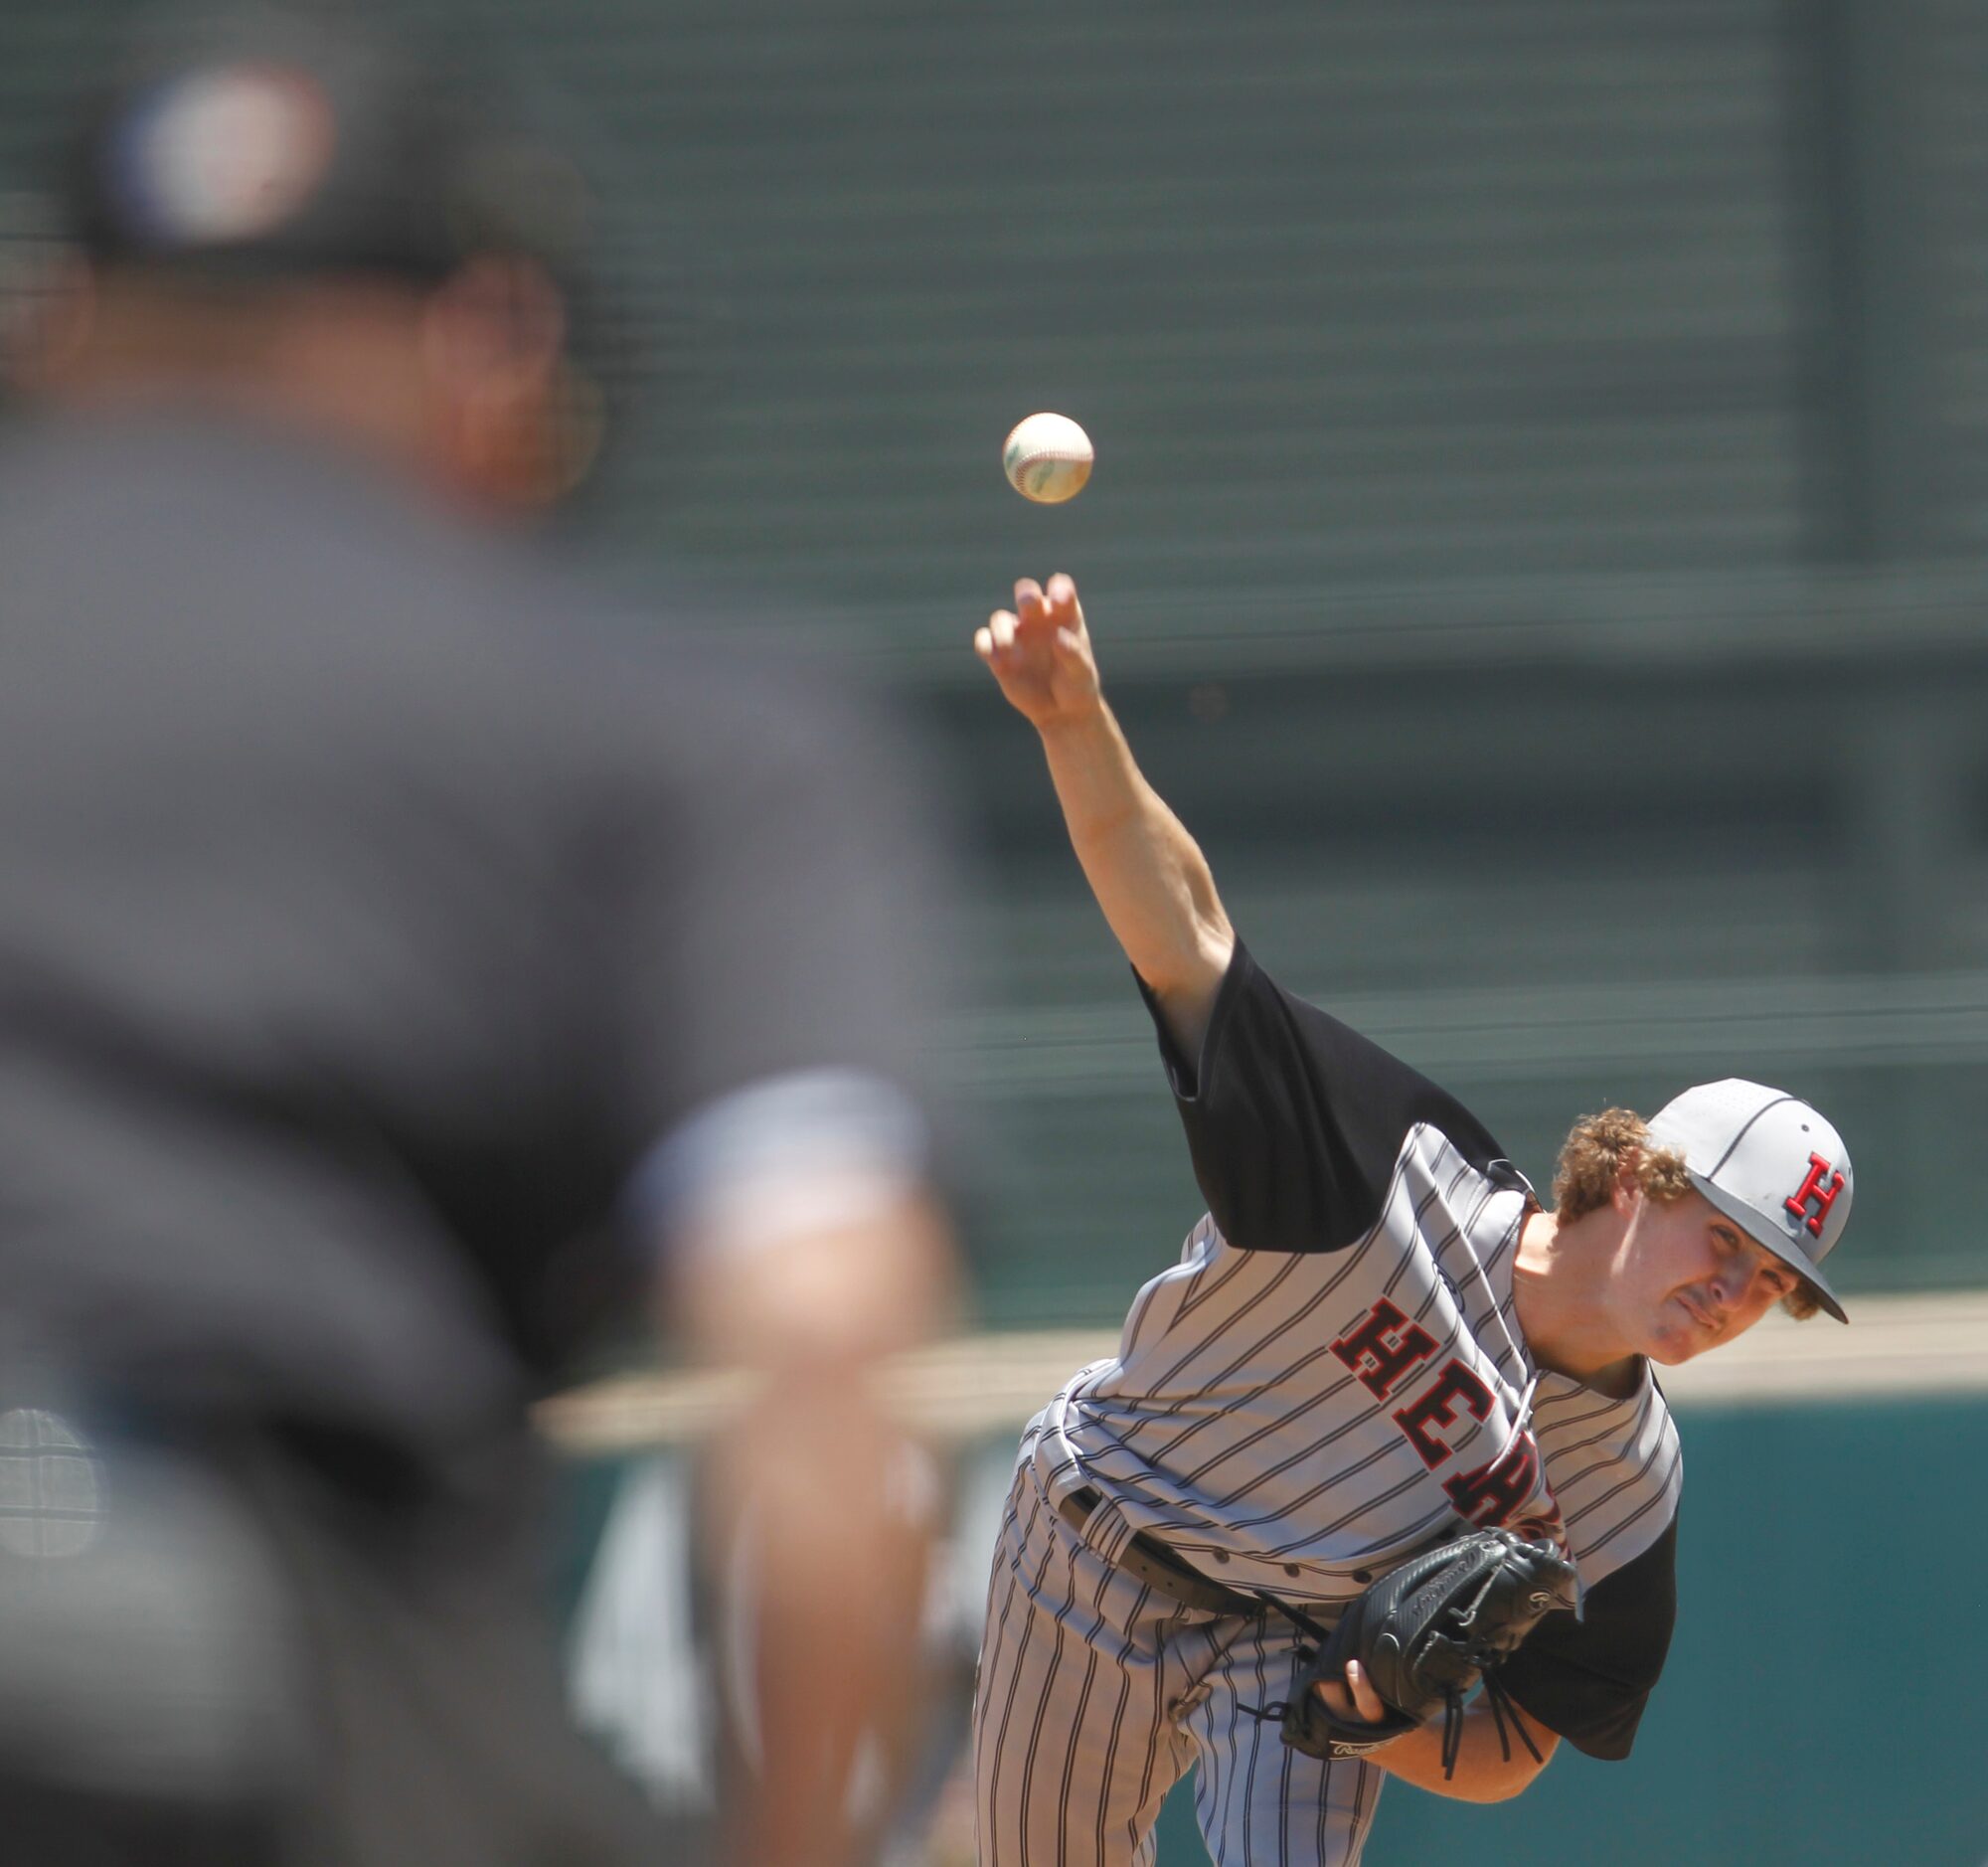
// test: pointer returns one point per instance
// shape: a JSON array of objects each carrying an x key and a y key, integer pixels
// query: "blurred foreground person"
[{"x": 404, "y": 966}]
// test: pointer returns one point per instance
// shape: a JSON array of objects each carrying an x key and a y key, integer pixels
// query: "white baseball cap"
[{"x": 1770, "y": 1164}]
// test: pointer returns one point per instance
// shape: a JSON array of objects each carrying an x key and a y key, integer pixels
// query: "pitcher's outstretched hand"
[{"x": 1040, "y": 653}]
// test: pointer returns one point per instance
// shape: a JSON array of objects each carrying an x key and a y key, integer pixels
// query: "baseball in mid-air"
[{"x": 1046, "y": 459}]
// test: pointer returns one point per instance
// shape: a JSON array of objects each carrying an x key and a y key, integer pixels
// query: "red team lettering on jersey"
[
  {"x": 1490, "y": 1494},
  {"x": 1437, "y": 1406},
  {"x": 1380, "y": 1350},
  {"x": 1384, "y": 1348}
]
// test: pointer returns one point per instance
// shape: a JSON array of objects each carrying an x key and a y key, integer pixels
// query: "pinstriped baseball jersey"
[{"x": 1335, "y": 1375}]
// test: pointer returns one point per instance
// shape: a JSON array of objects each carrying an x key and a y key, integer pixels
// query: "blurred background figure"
[{"x": 411, "y": 966}]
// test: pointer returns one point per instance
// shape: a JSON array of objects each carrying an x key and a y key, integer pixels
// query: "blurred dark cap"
[{"x": 253, "y": 142}]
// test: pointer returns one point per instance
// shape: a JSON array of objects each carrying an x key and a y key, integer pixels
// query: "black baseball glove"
[{"x": 1424, "y": 1637}]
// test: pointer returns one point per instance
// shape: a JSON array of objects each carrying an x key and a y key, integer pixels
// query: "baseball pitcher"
[{"x": 1379, "y": 1481}]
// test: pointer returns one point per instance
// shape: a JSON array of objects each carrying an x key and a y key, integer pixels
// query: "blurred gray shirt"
[{"x": 372, "y": 902}]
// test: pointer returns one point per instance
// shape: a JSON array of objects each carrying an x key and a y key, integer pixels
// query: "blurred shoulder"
[{"x": 736, "y": 676}]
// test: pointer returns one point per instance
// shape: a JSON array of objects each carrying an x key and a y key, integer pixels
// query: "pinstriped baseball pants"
[{"x": 1096, "y": 1694}]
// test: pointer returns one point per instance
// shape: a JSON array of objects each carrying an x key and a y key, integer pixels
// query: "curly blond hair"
[{"x": 1591, "y": 1160}]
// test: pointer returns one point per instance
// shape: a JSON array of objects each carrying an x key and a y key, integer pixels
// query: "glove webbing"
[{"x": 1503, "y": 1705}]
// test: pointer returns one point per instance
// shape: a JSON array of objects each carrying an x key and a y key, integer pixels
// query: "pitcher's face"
[{"x": 1688, "y": 1279}]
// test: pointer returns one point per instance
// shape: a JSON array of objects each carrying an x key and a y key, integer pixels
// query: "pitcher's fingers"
[
  {"x": 1029, "y": 606},
  {"x": 1062, "y": 592},
  {"x": 1365, "y": 1698},
  {"x": 983, "y": 643},
  {"x": 1001, "y": 627}
]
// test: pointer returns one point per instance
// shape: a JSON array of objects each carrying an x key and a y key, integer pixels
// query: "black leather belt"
[{"x": 1159, "y": 1568}]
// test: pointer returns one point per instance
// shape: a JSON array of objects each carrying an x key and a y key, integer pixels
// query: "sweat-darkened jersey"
[
  {"x": 1334, "y": 1375},
  {"x": 373, "y": 901}
]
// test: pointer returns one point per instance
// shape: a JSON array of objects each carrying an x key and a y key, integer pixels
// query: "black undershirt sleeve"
[
  {"x": 1589, "y": 1679},
  {"x": 1294, "y": 1122}
]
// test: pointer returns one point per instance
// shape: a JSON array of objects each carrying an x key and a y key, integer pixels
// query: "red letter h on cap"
[{"x": 1813, "y": 1189}]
